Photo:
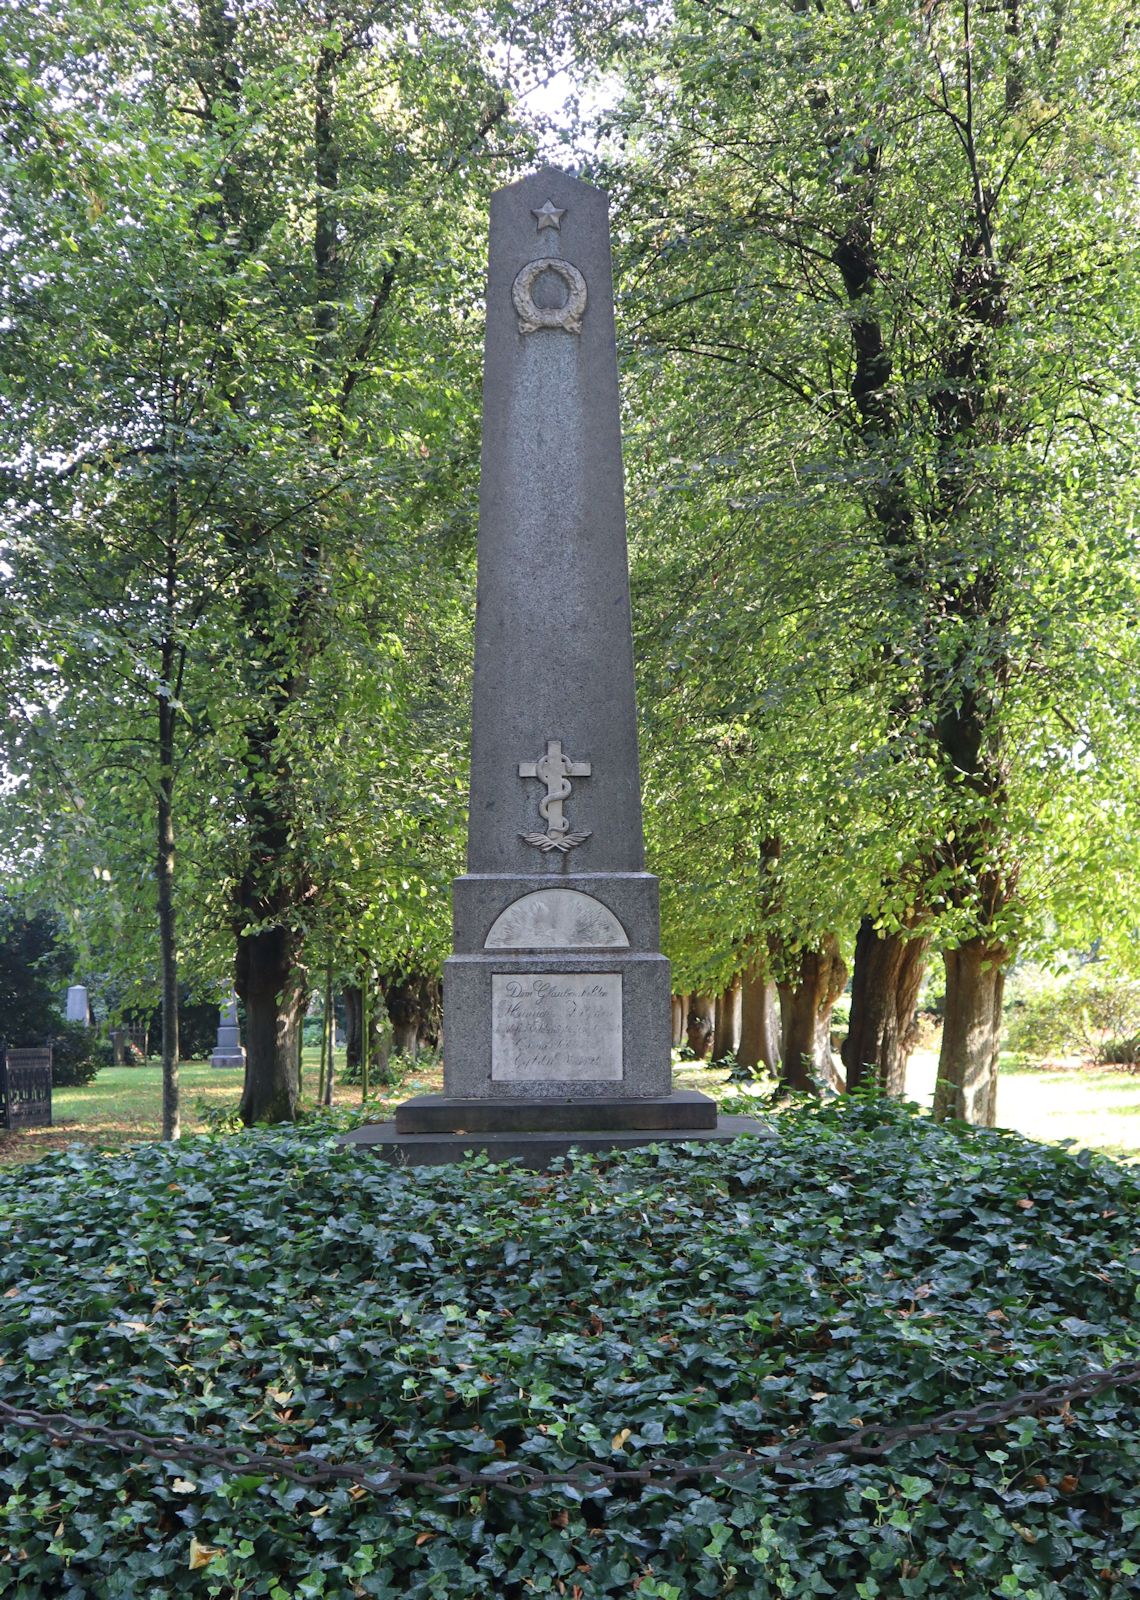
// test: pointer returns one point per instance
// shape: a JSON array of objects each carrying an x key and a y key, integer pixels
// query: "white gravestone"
[{"x": 77, "y": 1004}]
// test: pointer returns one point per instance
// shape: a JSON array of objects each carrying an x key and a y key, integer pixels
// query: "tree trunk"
[
  {"x": 726, "y": 1022},
  {"x": 888, "y": 974},
  {"x": 365, "y": 1037},
  {"x": 324, "y": 1040},
  {"x": 404, "y": 1001},
  {"x": 807, "y": 1004},
  {"x": 353, "y": 1026},
  {"x": 971, "y": 1034},
  {"x": 406, "y": 1038},
  {"x": 164, "y": 870},
  {"x": 431, "y": 1013},
  {"x": 272, "y": 985},
  {"x": 759, "y": 1020},
  {"x": 677, "y": 1003},
  {"x": 700, "y": 1024},
  {"x": 330, "y": 1037}
]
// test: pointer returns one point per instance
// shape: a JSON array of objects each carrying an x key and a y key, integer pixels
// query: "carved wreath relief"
[
  {"x": 554, "y": 770},
  {"x": 532, "y": 318}
]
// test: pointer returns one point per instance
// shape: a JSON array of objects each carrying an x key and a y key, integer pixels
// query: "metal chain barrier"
[{"x": 373, "y": 1474}]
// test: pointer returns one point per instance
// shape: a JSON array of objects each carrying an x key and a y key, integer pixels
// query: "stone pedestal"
[
  {"x": 228, "y": 1050},
  {"x": 556, "y": 989},
  {"x": 556, "y": 998}
]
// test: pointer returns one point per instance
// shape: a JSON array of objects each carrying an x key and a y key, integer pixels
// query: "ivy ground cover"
[{"x": 277, "y": 1291}]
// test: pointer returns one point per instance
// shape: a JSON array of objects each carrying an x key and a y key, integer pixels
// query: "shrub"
[
  {"x": 1120, "y": 1052},
  {"x": 1094, "y": 1013},
  {"x": 932, "y": 993},
  {"x": 197, "y": 1028},
  {"x": 385, "y": 1075},
  {"x": 35, "y": 965},
  {"x": 282, "y": 1292},
  {"x": 928, "y": 1027},
  {"x": 77, "y": 1054}
]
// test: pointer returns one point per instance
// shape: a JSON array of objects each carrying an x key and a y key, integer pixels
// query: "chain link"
[{"x": 377, "y": 1476}]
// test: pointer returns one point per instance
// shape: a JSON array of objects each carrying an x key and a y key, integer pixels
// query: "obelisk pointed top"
[{"x": 551, "y": 174}]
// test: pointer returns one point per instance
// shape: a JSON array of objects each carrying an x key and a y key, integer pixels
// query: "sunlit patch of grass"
[{"x": 1094, "y": 1108}]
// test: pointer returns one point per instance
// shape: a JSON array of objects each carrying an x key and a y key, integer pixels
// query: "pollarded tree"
[
  {"x": 777, "y": 791},
  {"x": 364, "y": 145},
  {"x": 901, "y": 236},
  {"x": 340, "y": 214}
]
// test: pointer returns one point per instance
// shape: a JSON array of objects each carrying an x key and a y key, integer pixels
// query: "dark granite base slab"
[
  {"x": 440, "y": 1113},
  {"x": 533, "y": 1149}
]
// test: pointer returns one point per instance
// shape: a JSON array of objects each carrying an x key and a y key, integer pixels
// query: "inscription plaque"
[{"x": 561, "y": 1027}]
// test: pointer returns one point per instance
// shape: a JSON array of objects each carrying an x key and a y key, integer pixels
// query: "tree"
[
  {"x": 35, "y": 963},
  {"x": 114, "y": 566},
  {"x": 241, "y": 465},
  {"x": 883, "y": 309}
]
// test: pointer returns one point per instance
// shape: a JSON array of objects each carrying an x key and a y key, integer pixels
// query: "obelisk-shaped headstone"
[
  {"x": 553, "y": 646},
  {"x": 556, "y": 1029},
  {"x": 557, "y": 987},
  {"x": 228, "y": 1051}
]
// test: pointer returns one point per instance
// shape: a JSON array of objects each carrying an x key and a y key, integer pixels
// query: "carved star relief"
[{"x": 549, "y": 216}]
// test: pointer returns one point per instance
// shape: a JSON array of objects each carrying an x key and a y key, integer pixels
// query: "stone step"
[
  {"x": 437, "y": 1113},
  {"x": 535, "y": 1150}
]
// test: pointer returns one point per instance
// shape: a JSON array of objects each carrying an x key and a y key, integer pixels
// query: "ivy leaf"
[{"x": 201, "y": 1554}]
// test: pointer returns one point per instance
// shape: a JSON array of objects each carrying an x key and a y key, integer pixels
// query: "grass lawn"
[
  {"x": 124, "y": 1104},
  {"x": 1097, "y": 1108}
]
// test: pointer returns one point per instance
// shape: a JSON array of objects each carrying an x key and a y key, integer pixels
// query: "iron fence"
[{"x": 25, "y": 1088}]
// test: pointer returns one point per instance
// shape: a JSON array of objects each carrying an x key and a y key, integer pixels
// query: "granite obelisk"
[
  {"x": 556, "y": 887},
  {"x": 556, "y": 998}
]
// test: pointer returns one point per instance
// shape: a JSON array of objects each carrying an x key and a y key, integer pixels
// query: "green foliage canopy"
[
  {"x": 880, "y": 270},
  {"x": 36, "y": 963}
]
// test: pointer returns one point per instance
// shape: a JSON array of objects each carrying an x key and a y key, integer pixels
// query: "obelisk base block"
[
  {"x": 589, "y": 1026},
  {"x": 536, "y": 1150},
  {"x": 440, "y": 1113}
]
